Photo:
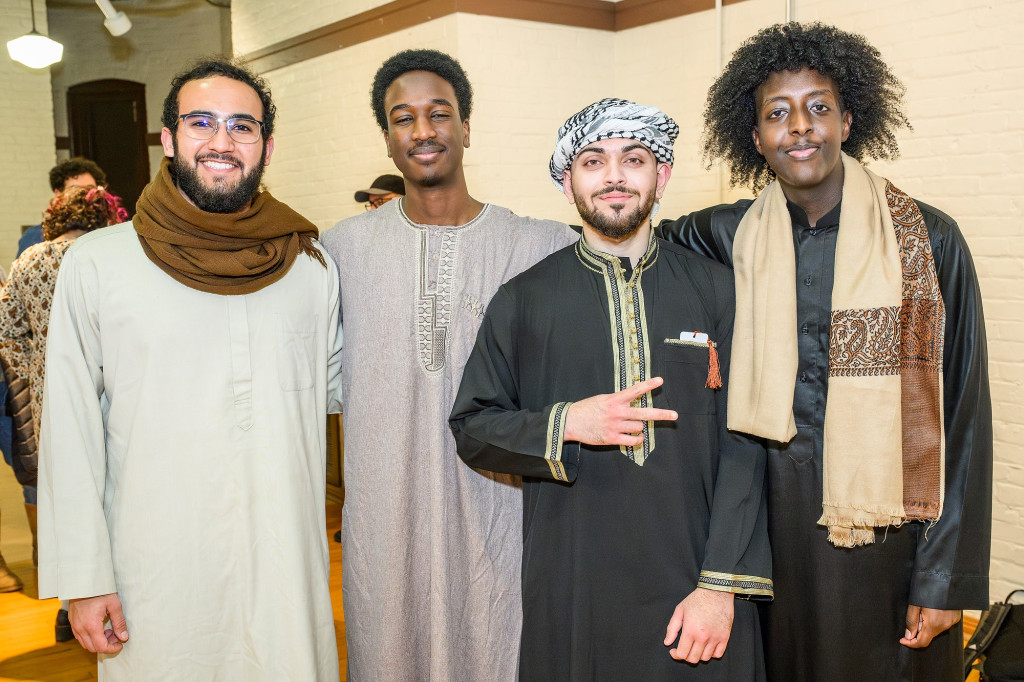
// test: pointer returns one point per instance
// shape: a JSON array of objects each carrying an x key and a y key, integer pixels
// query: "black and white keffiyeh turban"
[{"x": 613, "y": 118}]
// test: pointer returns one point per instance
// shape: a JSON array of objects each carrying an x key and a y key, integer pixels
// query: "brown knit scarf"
[{"x": 220, "y": 253}]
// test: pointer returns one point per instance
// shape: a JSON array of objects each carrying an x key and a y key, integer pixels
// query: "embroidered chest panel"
[
  {"x": 628, "y": 319},
  {"x": 436, "y": 261}
]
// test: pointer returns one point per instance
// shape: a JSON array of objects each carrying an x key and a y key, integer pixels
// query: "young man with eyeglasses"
[{"x": 190, "y": 361}]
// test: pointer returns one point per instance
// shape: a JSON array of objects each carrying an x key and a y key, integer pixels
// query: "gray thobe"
[{"x": 431, "y": 548}]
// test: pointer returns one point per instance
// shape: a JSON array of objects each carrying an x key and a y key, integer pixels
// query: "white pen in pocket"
[{"x": 699, "y": 337}]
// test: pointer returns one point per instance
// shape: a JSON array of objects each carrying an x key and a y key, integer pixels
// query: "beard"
[
  {"x": 220, "y": 197},
  {"x": 620, "y": 224}
]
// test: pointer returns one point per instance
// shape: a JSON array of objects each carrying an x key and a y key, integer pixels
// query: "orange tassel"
[{"x": 714, "y": 374}]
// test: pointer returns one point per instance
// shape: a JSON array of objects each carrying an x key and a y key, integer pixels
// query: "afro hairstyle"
[{"x": 867, "y": 89}]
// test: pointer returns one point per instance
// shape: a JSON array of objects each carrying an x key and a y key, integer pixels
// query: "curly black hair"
[
  {"x": 445, "y": 66},
  {"x": 72, "y": 168},
  {"x": 208, "y": 68},
  {"x": 867, "y": 89}
]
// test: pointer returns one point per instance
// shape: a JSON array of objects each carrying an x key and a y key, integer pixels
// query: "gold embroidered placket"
[{"x": 631, "y": 351}]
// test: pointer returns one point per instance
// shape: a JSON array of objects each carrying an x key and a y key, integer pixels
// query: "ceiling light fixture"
[
  {"x": 33, "y": 49},
  {"x": 116, "y": 22}
]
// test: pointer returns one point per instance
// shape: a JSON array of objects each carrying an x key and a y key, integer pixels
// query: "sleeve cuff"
[
  {"x": 555, "y": 439},
  {"x": 744, "y": 586},
  {"x": 83, "y": 581},
  {"x": 942, "y": 591}
]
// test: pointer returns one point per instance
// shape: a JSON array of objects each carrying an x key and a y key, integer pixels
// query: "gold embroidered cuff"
[
  {"x": 739, "y": 584},
  {"x": 556, "y": 436}
]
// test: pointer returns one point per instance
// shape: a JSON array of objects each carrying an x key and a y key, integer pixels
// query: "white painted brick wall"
[
  {"x": 327, "y": 143},
  {"x": 26, "y": 132},
  {"x": 159, "y": 45},
  {"x": 258, "y": 23},
  {"x": 962, "y": 63}
]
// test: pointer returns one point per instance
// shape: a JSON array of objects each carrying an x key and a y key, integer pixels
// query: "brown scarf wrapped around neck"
[{"x": 220, "y": 253}]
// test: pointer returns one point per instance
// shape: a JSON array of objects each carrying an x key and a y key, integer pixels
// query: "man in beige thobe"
[{"x": 191, "y": 355}]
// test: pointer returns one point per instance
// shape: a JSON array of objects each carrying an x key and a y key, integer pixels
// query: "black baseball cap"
[{"x": 385, "y": 184}]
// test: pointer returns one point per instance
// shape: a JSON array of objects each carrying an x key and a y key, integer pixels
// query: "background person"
[
  {"x": 26, "y": 301},
  {"x": 75, "y": 172},
  {"x": 381, "y": 191}
]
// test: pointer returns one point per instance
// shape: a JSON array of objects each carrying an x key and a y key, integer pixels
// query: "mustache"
[
  {"x": 226, "y": 158},
  {"x": 425, "y": 147},
  {"x": 620, "y": 189}
]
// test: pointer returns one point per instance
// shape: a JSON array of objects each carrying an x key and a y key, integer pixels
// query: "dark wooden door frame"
[{"x": 79, "y": 99}]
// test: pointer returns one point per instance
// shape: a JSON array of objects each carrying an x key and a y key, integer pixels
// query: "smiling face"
[
  {"x": 218, "y": 175},
  {"x": 614, "y": 184},
  {"x": 425, "y": 137},
  {"x": 800, "y": 132}
]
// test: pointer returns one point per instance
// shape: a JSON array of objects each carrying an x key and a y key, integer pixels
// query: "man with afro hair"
[
  {"x": 859, "y": 355},
  {"x": 432, "y": 547}
]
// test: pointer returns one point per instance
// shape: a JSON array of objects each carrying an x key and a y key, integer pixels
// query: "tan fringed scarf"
[
  {"x": 220, "y": 253},
  {"x": 884, "y": 439}
]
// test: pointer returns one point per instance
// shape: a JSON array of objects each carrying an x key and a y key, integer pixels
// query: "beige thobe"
[{"x": 183, "y": 464}]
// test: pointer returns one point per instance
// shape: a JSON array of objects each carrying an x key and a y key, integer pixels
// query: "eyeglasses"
[
  {"x": 204, "y": 127},
  {"x": 379, "y": 201}
]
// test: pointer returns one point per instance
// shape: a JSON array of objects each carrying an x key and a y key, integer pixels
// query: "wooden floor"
[{"x": 28, "y": 651}]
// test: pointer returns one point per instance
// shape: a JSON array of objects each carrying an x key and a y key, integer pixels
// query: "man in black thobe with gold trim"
[{"x": 598, "y": 376}]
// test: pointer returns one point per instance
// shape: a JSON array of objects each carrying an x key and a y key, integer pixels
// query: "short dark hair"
[
  {"x": 208, "y": 68},
  {"x": 445, "y": 66},
  {"x": 867, "y": 89},
  {"x": 72, "y": 168}
]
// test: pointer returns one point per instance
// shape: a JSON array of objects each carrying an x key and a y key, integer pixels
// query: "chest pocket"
[
  {"x": 685, "y": 372},
  {"x": 296, "y": 351}
]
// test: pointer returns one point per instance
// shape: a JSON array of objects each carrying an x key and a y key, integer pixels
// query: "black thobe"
[
  {"x": 838, "y": 613},
  {"x": 611, "y": 547}
]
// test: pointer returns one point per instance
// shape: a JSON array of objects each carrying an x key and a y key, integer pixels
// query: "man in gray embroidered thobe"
[
  {"x": 644, "y": 539},
  {"x": 432, "y": 548}
]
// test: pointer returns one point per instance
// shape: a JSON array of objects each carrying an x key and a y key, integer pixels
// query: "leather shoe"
[{"x": 62, "y": 630}]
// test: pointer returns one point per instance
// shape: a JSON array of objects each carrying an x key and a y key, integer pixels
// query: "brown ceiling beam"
[
  {"x": 634, "y": 13},
  {"x": 402, "y": 14}
]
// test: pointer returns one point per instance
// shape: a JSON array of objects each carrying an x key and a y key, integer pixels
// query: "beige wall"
[
  {"x": 160, "y": 43},
  {"x": 27, "y": 148},
  {"x": 258, "y": 23},
  {"x": 963, "y": 64}
]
